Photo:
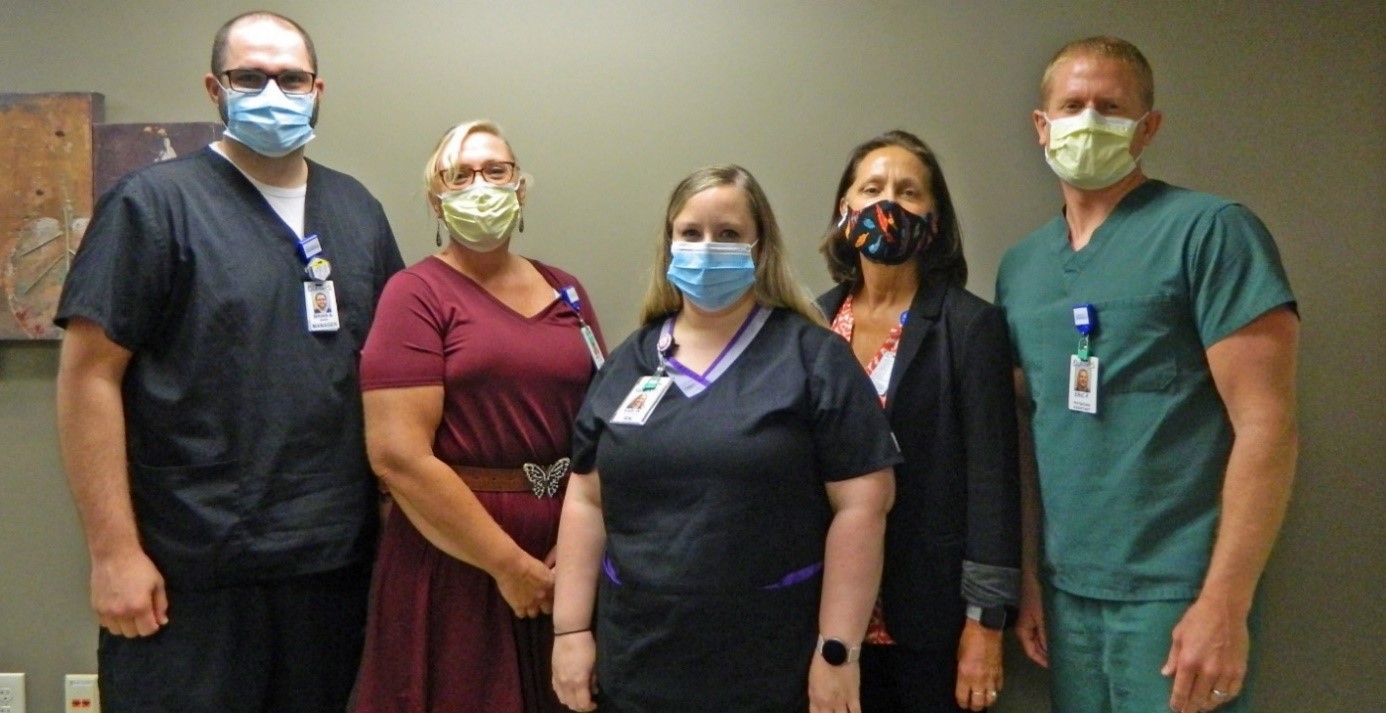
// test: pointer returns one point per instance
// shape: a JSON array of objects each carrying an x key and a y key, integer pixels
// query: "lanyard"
[
  {"x": 664, "y": 348},
  {"x": 569, "y": 295}
]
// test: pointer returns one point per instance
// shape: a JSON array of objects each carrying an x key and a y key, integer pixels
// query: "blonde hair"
[
  {"x": 441, "y": 167},
  {"x": 775, "y": 283},
  {"x": 1106, "y": 47}
]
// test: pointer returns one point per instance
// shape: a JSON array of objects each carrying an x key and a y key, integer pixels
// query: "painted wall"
[{"x": 609, "y": 104}]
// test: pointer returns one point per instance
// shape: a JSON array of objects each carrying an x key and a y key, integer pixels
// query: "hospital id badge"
[
  {"x": 594, "y": 349},
  {"x": 1082, "y": 384},
  {"x": 641, "y": 401},
  {"x": 320, "y": 306},
  {"x": 880, "y": 376}
]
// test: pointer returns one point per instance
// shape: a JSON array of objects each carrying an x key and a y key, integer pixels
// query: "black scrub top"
[
  {"x": 714, "y": 506},
  {"x": 244, "y": 430}
]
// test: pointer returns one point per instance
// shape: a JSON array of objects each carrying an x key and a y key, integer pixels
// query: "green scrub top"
[{"x": 1131, "y": 493}]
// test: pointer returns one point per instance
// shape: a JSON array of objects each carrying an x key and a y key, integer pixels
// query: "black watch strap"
[{"x": 836, "y": 653}]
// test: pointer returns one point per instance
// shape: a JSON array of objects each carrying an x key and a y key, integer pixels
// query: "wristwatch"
[
  {"x": 989, "y": 617},
  {"x": 836, "y": 653}
]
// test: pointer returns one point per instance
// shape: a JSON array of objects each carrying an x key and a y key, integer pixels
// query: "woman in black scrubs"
[
  {"x": 940, "y": 359},
  {"x": 736, "y": 526}
]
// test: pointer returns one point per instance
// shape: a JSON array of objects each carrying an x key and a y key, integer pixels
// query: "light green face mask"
[
  {"x": 481, "y": 216},
  {"x": 1091, "y": 151}
]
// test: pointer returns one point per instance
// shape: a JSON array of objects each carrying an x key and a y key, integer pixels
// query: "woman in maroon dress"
[{"x": 472, "y": 373}]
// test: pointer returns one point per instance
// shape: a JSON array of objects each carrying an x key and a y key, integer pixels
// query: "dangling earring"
[
  {"x": 522, "y": 220},
  {"x": 438, "y": 231}
]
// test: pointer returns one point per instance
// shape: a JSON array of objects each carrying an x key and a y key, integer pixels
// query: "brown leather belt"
[{"x": 543, "y": 481}]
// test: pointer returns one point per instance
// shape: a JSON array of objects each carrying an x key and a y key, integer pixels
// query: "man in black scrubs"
[{"x": 210, "y": 422}]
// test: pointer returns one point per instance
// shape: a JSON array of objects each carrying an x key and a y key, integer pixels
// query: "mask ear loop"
[
  {"x": 1139, "y": 122},
  {"x": 437, "y": 206},
  {"x": 522, "y": 184}
]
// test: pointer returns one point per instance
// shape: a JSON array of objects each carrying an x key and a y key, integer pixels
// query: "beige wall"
[{"x": 1278, "y": 104}]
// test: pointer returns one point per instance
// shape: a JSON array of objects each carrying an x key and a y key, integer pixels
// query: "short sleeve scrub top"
[{"x": 716, "y": 513}]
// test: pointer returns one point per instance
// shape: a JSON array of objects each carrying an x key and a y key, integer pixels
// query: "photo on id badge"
[
  {"x": 320, "y": 306},
  {"x": 635, "y": 409},
  {"x": 1082, "y": 384}
]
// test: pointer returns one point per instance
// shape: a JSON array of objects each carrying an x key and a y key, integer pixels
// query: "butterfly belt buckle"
[{"x": 545, "y": 481}]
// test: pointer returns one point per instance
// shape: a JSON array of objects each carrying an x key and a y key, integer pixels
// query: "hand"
[
  {"x": 834, "y": 689},
  {"x": 979, "y": 667},
  {"x": 551, "y": 558},
  {"x": 127, "y": 594},
  {"x": 574, "y": 670},
  {"x": 527, "y": 588},
  {"x": 1029, "y": 622},
  {"x": 1208, "y": 653}
]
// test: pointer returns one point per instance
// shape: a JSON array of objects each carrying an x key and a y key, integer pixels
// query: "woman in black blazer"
[{"x": 941, "y": 360}]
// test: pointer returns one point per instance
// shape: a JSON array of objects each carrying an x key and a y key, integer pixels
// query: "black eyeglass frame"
[{"x": 245, "y": 72}]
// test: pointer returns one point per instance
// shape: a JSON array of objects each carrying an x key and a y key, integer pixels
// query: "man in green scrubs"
[{"x": 1163, "y": 472}]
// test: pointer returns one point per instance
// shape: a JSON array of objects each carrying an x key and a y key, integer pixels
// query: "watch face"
[
  {"x": 834, "y": 652},
  {"x": 994, "y": 617}
]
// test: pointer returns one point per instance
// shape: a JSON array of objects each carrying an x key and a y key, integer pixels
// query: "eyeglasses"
[
  {"x": 497, "y": 172},
  {"x": 253, "y": 81}
]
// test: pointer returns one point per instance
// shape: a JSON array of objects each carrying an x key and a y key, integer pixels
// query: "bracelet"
[{"x": 557, "y": 634}]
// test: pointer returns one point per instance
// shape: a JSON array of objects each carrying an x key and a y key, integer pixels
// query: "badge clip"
[
  {"x": 309, "y": 247},
  {"x": 1085, "y": 321},
  {"x": 318, "y": 269}
]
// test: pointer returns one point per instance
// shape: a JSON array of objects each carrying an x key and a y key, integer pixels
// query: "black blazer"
[{"x": 951, "y": 404}]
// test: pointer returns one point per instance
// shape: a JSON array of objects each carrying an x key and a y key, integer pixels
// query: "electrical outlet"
[
  {"x": 80, "y": 693},
  {"x": 12, "y": 693}
]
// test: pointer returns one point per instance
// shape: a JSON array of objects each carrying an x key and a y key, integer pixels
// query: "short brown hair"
[
  {"x": 1107, "y": 47},
  {"x": 942, "y": 261},
  {"x": 224, "y": 35}
]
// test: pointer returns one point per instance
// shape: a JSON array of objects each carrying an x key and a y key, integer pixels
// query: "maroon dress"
[{"x": 440, "y": 636}]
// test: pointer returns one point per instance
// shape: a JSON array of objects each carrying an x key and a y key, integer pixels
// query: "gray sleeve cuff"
[{"x": 987, "y": 585}]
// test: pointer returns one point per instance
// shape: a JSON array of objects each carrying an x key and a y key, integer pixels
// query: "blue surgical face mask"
[
  {"x": 711, "y": 275},
  {"x": 270, "y": 123}
]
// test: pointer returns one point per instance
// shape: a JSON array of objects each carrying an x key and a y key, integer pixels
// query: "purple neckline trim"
[{"x": 731, "y": 345}]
